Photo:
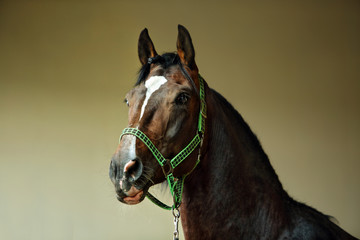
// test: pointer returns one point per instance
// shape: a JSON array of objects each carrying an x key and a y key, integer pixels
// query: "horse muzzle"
[{"x": 129, "y": 186}]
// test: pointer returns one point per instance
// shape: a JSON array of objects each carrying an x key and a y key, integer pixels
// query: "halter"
[{"x": 176, "y": 184}]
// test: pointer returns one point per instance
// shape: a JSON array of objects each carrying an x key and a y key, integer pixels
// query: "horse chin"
[
  {"x": 134, "y": 199},
  {"x": 133, "y": 196}
]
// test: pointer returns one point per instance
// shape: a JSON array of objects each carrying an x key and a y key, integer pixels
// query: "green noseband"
[{"x": 176, "y": 184}]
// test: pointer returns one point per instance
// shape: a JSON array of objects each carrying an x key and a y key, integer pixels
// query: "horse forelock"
[{"x": 164, "y": 61}]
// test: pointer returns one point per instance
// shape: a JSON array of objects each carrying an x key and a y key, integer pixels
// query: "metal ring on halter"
[
  {"x": 167, "y": 168},
  {"x": 177, "y": 213}
]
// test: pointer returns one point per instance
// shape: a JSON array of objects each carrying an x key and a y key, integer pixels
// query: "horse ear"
[
  {"x": 146, "y": 47},
  {"x": 185, "y": 48}
]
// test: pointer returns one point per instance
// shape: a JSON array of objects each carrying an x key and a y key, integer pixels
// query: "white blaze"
[{"x": 152, "y": 84}]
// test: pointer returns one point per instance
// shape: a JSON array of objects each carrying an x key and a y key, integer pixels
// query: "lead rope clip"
[{"x": 176, "y": 213}]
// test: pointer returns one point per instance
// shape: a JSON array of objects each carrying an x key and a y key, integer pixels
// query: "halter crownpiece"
[{"x": 176, "y": 184}]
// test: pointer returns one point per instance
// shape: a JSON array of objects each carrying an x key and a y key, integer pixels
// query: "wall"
[{"x": 290, "y": 67}]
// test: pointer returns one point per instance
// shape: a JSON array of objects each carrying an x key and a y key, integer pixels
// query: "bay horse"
[{"x": 182, "y": 131}]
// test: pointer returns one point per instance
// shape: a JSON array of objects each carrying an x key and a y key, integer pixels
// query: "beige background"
[{"x": 290, "y": 67}]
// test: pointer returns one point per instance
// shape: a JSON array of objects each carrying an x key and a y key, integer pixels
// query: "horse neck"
[{"x": 234, "y": 184}]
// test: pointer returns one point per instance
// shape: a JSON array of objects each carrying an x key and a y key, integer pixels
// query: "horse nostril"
[{"x": 133, "y": 169}]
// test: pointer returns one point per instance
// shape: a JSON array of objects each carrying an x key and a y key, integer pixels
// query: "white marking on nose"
[
  {"x": 152, "y": 85},
  {"x": 130, "y": 144}
]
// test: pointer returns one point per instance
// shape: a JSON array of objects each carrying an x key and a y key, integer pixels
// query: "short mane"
[{"x": 251, "y": 137}]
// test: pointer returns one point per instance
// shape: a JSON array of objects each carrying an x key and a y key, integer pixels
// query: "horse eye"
[
  {"x": 126, "y": 101},
  {"x": 182, "y": 99}
]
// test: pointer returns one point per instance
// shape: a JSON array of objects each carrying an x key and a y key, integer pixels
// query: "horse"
[{"x": 223, "y": 185}]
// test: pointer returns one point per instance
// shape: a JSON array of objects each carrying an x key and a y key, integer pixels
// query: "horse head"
[{"x": 164, "y": 106}]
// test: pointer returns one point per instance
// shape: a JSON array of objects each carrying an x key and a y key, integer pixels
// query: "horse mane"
[
  {"x": 252, "y": 139},
  {"x": 307, "y": 210},
  {"x": 239, "y": 119}
]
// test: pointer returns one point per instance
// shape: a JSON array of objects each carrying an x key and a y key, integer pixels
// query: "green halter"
[{"x": 176, "y": 184}]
